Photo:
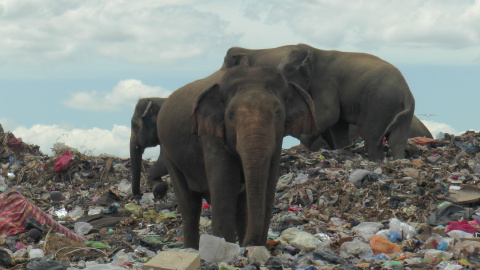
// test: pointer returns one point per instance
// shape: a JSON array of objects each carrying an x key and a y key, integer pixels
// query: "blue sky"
[{"x": 72, "y": 71}]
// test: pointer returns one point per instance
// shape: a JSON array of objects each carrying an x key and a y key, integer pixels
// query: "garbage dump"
[{"x": 334, "y": 209}]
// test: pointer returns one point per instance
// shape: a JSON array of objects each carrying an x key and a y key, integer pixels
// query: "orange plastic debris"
[
  {"x": 422, "y": 140},
  {"x": 380, "y": 244}
]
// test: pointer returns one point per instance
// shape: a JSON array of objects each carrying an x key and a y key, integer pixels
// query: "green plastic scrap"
[
  {"x": 392, "y": 263},
  {"x": 97, "y": 245},
  {"x": 442, "y": 204},
  {"x": 155, "y": 239}
]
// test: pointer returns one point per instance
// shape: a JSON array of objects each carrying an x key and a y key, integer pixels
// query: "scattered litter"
[{"x": 333, "y": 209}]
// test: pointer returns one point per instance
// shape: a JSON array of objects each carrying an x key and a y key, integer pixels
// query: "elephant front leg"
[
  {"x": 226, "y": 202},
  {"x": 189, "y": 205},
  {"x": 224, "y": 183}
]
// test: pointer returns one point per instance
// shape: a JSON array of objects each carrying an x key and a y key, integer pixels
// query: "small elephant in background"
[
  {"x": 143, "y": 135},
  {"x": 221, "y": 137},
  {"x": 346, "y": 88},
  {"x": 417, "y": 129}
]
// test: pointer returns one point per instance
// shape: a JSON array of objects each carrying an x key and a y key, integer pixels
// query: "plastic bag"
[
  {"x": 380, "y": 244},
  {"x": 63, "y": 162},
  {"x": 402, "y": 228},
  {"x": 356, "y": 249},
  {"x": 367, "y": 229}
]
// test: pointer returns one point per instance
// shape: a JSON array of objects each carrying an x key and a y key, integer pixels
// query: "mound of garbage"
[{"x": 334, "y": 209}]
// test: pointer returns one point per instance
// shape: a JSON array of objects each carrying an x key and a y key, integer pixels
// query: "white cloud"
[
  {"x": 125, "y": 93},
  {"x": 437, "y": 127},
  {"x": 158, "y": 32},
  {"x": 370, "y": 24},
  {"x": 92, "y": 141},
  {"x": 166, "y": 32}
]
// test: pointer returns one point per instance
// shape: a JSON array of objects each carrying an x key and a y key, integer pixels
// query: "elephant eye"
[
  {"x": 278, "y": 112},
  {"x": 231, "y": 115}
]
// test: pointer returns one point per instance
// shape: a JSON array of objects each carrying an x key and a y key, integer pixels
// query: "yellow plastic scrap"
[
  {"x": 321, "y": 157},
  {"x": 165, "y": 216},
  {"x": 134, "y": 209},
  {"x": 463, "y": 262}
]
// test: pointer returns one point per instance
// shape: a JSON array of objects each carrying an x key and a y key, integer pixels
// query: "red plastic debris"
[
  {"x": 205, "y": 205},
  {"x": 63, "y": 162},
  {"x": 15, "y": 143}
]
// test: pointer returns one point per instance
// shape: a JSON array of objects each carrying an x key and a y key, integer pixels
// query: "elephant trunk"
[
  {"x": 255, "y": 152},
  {"x": 136, "y": 152}
]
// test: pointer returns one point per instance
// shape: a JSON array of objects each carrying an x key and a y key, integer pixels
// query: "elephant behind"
[
  {"x": 417, "y": 129},
  {"x": 144, "y": 134},
  {"x": 346, "y": 88},
  {"x": 222, "y": 137}
]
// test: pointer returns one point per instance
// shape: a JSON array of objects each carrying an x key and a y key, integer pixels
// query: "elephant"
[
  {"x": 417, "y": 129},
  {"x": 222, "y": 138},
  {"x": 143, "y": 135},
  {"x": 346, "y": 88}
]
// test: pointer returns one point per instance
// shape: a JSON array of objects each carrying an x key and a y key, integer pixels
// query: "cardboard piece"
[
  {"x": 170, "y": 260},
  {"x": 466, "y": 194}
]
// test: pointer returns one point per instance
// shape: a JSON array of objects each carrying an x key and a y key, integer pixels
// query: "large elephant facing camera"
[
  {"x": 144, "y": 135},
  {"x": 222, "y": 137},
  {"x": 346, "y": 88}
]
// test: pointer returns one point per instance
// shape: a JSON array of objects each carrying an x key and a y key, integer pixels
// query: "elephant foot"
[
  {"x": 159, "y": 190},
  {"x": 137, "y": 196}
]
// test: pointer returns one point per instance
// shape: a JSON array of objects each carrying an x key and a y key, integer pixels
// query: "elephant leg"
[
  {"x": 371, "y": 135},
  {"x": 241, "y": 216},
  {"x": 190, "y": 206},
  {"x": 315, "y": 142},
  {"x": 224, "y": 182},
  {"x": 308, "y": 140},
  {"x": 327, "y": 136},
  {"x": 224, "y": 202},
  {"x": 340, "y": 135},
  {"x": 397, "y": 140},
  {"x": 154, "y": 177}
]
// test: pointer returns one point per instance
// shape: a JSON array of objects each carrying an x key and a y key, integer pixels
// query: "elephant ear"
[
  {"x": 208, "y": 113},
  {"x": 300, "y": 115},
  {"x": 306, "y": 68}
]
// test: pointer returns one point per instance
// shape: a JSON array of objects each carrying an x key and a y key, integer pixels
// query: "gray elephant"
[
  {"x": 143, "y": 135},
  {"x": 417, "y": 129},
  {"x": 222, "y": 138},
  {"x": 346, "y": 88}
]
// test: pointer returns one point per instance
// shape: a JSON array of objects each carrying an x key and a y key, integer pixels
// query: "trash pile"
[{"x": 334, "y": 209}]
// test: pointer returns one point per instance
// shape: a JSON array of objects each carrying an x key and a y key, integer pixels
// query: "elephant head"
[
  {"x": 143, "y": 135},
  {"x": 297, "y": 66},
  {"x": 249, "y": 112}
]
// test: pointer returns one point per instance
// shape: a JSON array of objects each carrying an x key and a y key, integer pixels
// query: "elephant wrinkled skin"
[
  {"x": 221, "y": 137},
  {"x": 346, "y": 88},
  {"x": 144, "y": 134}
]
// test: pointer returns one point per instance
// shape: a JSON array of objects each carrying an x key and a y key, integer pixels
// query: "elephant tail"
[{"x": 409, "y": 107}]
